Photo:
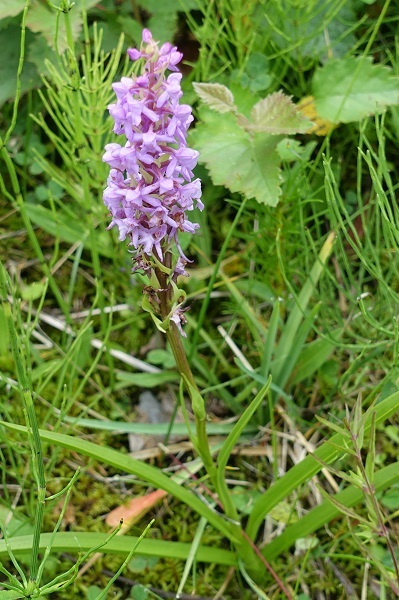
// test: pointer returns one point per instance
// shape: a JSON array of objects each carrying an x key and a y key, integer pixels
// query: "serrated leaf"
[
  {"x": 41, "y": 19},
  {"x": 353, "y": 88},
  {"x": 277, "y": 114},
  {"x": 218, "y": 97},
  {"x": 250, "y": 165},
  {"x": 10, "y": 8}
]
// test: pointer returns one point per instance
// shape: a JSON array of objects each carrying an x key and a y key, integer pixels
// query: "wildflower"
[{"x": 150, "y": 186}]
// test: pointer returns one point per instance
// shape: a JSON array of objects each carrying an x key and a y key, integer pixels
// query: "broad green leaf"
[
  {"x": 15, "y": 526},
  {"x": 290, "y": 149},
  {"x": 350, "y": 89},
  {"x": 80, "y": 542},
  {"x": 10, "y": 8},
  {"x": 42, "y": 19},
  {"x": 218, "y": 97},
  {"x": 256, "y": 76},
  {"x": 39, "y": 53},
  {"x": 277, "y": 114},
  {"x": 11, "y": 595},
  {"x": 250, "y": 165},
  {"x": 163, "y": 25},
  {"x": 10, "y": 38},
  {"x": 141, "y": 563},
  {"x": 93, "y": 592}
]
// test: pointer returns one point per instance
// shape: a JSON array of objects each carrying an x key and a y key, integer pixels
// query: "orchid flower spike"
[{"x": 150, "y": 186}]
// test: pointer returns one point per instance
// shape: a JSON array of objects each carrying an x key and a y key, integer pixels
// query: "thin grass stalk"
[{"x": 37, "y": 453}]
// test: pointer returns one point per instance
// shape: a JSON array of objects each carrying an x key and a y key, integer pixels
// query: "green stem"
[
  {"x": 82, "y": 143},
  {"x": 36, "y": 445},
  {"x": 174, "y": 338},
  {"x": 19, "y": 74}
]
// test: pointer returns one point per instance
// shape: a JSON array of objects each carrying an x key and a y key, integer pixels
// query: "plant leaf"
[
  {"x": 163, "y": 22},
  {"x": 326, "y": 511},
  {"x": 238, "y": 429},
  {"x": 43, "y": 20},
  {"x": 10, "y": 38},
  {"x": 218, "y": 97},
  {"x": 146, "y": 380},
  {"x": 133, "y": 510},
  {"x": 10, "y": 8},
  {"x": 277, "y": 114},
  {"x": 62, "y": 227},
  {"x": 307, "y": 468},
  {"x": 75, "y": 541},
  {"x": 153, "y": 428},
  {"x": 353, "y": 88},
  {"x": 128, "y": 464},
  {"x": 250, "y": 165},
  {"x": 312, "y": 357},
  {"x": 320, "y": 126}
]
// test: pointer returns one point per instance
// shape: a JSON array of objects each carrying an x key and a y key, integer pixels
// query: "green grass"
[{"x": 271, "y": 291}]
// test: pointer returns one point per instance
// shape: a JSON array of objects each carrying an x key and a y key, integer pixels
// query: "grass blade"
[
  {"x": 307, "y": 468},
  {"x": 122, "y": 545},
  {"x": 130, "y": 465}
]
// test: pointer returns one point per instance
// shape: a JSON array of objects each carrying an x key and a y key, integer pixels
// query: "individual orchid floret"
[{"x": 151, "y": 186}]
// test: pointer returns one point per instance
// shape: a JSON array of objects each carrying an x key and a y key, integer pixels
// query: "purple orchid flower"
[{"x": 150, "y": 185}]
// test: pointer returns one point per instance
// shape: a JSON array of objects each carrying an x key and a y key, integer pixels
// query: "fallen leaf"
[
  {"x": 132, "y": 511},
  {"x": 308, "y": 108}
]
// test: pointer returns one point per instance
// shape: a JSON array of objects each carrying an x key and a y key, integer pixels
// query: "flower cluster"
[{"x": 150, "y": 185}]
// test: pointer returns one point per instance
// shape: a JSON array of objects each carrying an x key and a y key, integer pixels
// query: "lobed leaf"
[
  {"x": 43, "y": 20},
  {"x": 250, "y": 165},
  {"x": 351, "y": 89},
  {"x": 277, "y": 114},
  {"x": 218, "y": 97},
  {"x": 10, "y": 8}
]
